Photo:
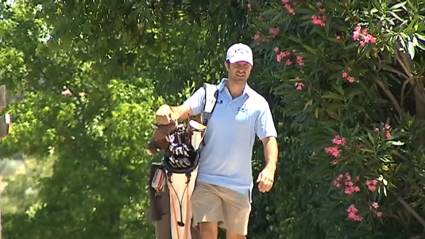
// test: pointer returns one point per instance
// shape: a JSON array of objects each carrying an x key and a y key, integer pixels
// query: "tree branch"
[
  {"x": 82, "y": 106},
  {"x": 412, "y": 211},
  {"x": 396, "y": 72},
  {"x": 403, "y": 61},
  {"x": 391, "y": 96},
  {"x": 403, "y": 87}
]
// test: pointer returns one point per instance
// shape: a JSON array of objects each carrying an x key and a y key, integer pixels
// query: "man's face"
[{"x": 239, "y": 71}]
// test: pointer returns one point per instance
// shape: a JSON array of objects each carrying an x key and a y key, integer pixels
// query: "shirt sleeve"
[
  {"x": 196, "y": 101},
  {"x": 264, "y": 126}
]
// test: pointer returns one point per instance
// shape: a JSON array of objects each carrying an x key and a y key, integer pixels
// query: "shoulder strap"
[{"x": 211, "y": 96}]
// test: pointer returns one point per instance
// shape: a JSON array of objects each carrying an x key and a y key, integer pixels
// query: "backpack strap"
[{"x": 211, "y": 96}]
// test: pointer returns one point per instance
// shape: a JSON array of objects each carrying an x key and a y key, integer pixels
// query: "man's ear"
[{"x": 226, "y": 65}]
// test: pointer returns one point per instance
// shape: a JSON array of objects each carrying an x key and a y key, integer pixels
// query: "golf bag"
[{"x": 172, "y": 181}]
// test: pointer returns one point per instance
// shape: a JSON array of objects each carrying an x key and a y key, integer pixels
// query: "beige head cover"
[{"x": 161, "y": 136}]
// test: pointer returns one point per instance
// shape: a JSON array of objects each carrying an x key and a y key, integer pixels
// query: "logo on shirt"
[{"x": 243, "y": 109}]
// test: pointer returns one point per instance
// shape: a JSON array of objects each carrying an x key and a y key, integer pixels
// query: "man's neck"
[{"x": 235, "y": 89}]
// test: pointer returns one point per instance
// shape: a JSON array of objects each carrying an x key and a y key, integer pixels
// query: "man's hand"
[
  {"x": 265, "y": 179},
  {"x": 164, "y": 115}
]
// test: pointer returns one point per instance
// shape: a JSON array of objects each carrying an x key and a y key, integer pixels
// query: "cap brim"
[{"x": 240, "y": 59}]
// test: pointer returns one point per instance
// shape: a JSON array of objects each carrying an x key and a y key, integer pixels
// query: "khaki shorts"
[{"x": 213, "y": 203}]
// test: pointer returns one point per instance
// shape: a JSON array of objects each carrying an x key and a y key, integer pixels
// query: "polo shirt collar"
[{"x": 221, "y": 87}]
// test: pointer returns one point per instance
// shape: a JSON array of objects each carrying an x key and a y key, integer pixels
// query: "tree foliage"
[{"x": 344, "y": 79}]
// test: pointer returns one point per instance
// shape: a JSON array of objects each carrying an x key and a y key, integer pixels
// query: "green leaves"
[
  {"x": 339, "y": 97},
  {"x": 123, "y": 59}
]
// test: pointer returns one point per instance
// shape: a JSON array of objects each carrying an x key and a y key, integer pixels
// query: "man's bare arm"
[
  {"x": 270, "y": 152},
  {"x": 183, "y": 111}
]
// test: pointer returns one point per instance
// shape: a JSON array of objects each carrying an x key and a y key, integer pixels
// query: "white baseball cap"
[{"x": 239, "y": 52}]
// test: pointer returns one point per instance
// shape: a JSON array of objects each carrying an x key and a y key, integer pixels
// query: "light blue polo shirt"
[{"x": 226, "y": 158}]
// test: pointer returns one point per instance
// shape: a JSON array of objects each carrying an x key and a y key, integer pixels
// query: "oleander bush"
[{"x": 345, "y": 79}]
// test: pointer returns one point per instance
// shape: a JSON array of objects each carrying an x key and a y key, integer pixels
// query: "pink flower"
[
  {"x": 351, "y": 79},
  {"x": 369, "y": 38},
  {"x": 282, "y": 55},
  {"x": 288, "y": 7},
  {"x": 352, "y": 209},
  {"x": 261, "y": 18},
  {"x": 338, "y": 37},
  {"x": 318, "y": 20},
  {"x": 257, "y": 36},
  {"x": 338, "y": 140},
  {"x": 371, "y": 184},
  {"x": 249, "y": 6},
  {"x": 355, "y": 217},
  {"x": 322, "y": 10},
  {"x": 335, "y": 161},
  {"x": 376, "y": 130},
  {"x": 314, "y": 153},
  {"x": 352, "y": 213},
  {"x": 300, "y": 60},
  {"x": 374, "y": 208},
  {"x": 299, "y": 85},
  {"x": 347, "y": 176},
  {"x": 351, "y": 189},
  {"x": 334, "y": 151},
  {"x": 348, "y": 77},
  {"x": 278, "y": 58},
  {"x": 387, "y": 128},
  {"x": 356, "y": 36},
  {"x": 319, "y": 4},
  {"x": 339, "y": 181},
  {"x": 274, "y": 31},
  {"x": 363, "y": 36},
  {"x": 276, "y": 49},
  {"x": 288, "y": 62}
]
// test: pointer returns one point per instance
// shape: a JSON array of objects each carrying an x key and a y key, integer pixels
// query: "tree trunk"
[
  {"x": 115, "y": 221},
  {"x": 420, "y": 108}
]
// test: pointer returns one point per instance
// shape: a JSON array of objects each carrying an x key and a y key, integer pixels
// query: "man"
[{"x": 222, "y": 195}]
